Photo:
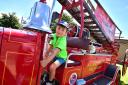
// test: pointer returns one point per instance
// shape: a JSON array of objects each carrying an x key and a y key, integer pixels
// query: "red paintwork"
[
  {"x": 19, "y": 58},
  {"x": 75, "y": 4},
  {"x": 90, "y": 64},
  {"x": 21, "y": 51},
  {"x": 126, "y": 62}
]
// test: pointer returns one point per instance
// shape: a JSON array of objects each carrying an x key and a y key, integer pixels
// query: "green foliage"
[
  {"x": 9, "y": 20},
  {"x": 53, "y": 25},
  {"x": 65, "y": 17}
]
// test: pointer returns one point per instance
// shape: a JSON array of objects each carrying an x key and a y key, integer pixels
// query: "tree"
[
  {"x": 65, "y": 17},
  {"x": 9, "y": 20}
]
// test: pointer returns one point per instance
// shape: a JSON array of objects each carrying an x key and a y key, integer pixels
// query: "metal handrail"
[{"x": 70, "y": 54}]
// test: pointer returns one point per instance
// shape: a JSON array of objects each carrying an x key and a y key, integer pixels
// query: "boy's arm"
[
  {"x": 48, "y": 50},
  {"x": 54, "y": 52},
  {"x": 50, "y": 46}
]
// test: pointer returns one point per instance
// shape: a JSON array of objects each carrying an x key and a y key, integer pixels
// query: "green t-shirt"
[{"x": 61, "y": 43}]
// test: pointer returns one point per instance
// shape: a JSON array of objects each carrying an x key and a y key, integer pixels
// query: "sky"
[{"x": 117, "y": 10}]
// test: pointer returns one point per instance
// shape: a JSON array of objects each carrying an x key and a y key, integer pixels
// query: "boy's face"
[{"x": 60, "y": 31}]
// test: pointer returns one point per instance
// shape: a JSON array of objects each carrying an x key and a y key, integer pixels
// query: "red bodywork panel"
[
  {"x": 89, "y": 64},
  {"x": 19, "y": 56},
  {"x": 21, "y": 51}
]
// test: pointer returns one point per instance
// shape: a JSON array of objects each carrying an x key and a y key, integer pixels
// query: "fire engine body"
[
  {"x": 21, "y": 51},
  {"x": 20, "y": 56}
]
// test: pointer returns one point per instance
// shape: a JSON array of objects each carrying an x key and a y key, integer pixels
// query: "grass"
[{"x": 124, "y": 79}]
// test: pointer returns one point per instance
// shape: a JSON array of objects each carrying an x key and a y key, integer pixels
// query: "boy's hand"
[
  {"x": 48, "y": 59},
  {"x": 45, "y": 56}
]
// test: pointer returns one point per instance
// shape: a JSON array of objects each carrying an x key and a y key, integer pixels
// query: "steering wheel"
[{"x": 73, "y": 31}]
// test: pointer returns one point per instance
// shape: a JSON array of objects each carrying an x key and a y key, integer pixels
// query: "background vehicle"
[{"x": 21, "y": 50}]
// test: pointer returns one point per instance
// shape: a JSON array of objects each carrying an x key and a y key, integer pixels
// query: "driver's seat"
[{"x": 76, "y": 42}]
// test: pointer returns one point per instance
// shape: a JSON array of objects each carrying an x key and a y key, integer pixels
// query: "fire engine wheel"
[
  {"x": 117, "y": 82},
  {"x": 73, "y": 79},
  {"x": 73, "y": 32}
]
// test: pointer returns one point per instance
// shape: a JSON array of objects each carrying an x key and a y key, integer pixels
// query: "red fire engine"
[{"x": 21, "y": 50}]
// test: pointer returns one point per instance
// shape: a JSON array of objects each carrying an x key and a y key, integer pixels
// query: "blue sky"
[
  {"x": 117, "y": 9},
  {"x": 21, "y": 7}
]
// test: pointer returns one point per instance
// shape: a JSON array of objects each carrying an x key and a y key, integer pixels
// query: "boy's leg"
[
  {"x": 53, "y": 68},
  {"x": 45, "y": 61}
]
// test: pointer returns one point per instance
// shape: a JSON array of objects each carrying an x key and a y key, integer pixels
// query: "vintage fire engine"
[{"x": 22, "y": 50}]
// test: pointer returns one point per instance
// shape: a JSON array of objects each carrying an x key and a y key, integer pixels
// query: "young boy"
[{"x": 57, "y": 50}]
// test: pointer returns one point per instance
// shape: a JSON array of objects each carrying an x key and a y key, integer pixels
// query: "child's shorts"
[{"x": 61, "y": 60}]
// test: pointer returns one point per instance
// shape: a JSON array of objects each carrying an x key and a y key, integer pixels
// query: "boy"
[{"x": 57, "y": 50}]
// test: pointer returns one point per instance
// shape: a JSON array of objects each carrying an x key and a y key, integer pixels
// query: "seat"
[
  {"x": 73, "y": 63},
  {"x": 101, "y": 81},
  {"x": 76, "y": 42},
  {"x": 107, "y": 76},
  {"x": 110, "y": 71}
]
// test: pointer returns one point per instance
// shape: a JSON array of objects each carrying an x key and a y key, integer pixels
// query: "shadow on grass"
[{"x": 122, "y": 83}]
